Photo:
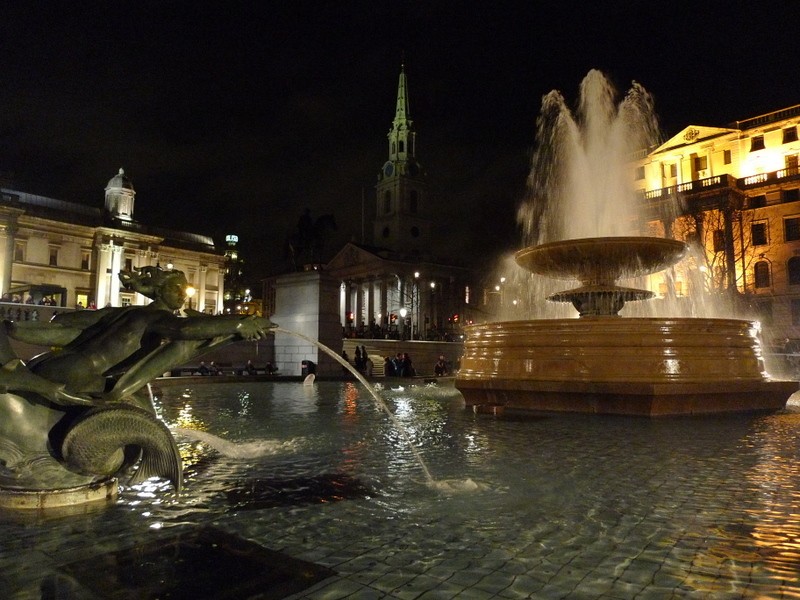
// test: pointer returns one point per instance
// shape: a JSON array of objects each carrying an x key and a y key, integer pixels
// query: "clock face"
[{"x": 388, "y": 168}]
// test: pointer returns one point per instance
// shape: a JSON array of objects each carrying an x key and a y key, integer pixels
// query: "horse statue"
[{"x": 307, "y": 244}]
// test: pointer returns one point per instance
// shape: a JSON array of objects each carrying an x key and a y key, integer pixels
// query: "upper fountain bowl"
[{"x": 601, "y": 260}]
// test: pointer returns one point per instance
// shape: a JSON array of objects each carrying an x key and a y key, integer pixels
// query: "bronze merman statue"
[{"x": 81, "y": 413}]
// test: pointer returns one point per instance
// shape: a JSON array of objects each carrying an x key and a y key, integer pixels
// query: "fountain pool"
[{"x": 578, "y": 506}]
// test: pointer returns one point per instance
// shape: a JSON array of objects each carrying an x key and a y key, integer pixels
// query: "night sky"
[{"x": 232, "y": 117}]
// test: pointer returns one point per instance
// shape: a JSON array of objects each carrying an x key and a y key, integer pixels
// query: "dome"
[{"x": 120, "y": 180}]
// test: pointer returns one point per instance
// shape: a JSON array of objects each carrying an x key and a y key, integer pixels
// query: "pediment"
[
  {"x": 693, "y": 134},
  {"x": 352, "y": 255}
]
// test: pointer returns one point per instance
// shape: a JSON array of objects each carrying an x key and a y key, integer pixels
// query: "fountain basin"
[{"x": 632, "y": 366}]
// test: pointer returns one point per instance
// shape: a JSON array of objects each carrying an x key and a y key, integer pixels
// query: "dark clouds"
[{"x": 234, "y": 116}]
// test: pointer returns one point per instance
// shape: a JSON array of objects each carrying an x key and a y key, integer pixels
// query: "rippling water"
[{"x": 564, "y": 506}]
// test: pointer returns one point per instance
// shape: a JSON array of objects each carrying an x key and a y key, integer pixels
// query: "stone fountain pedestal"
[{"x": 603, "y": 363}]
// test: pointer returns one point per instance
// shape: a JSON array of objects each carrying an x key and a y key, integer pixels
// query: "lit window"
[
  {"x": 761, "y": 274},
  {"x": 791, "y": 228},
  {"x": 719, "y": 240},
  {"x": 756, "y": 143},
  {"x": 790, "y": 135},
  {"x": 700, "y": 163},
  {"x": 793, "y": 267},
  {"x": 758, "y": 234}
]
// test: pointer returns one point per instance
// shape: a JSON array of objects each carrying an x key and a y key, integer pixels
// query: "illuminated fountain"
[{"x": 582, "y": 219}]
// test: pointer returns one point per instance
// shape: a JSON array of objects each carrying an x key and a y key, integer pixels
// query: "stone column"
[
  {"x": 8, "y": 258},
  {"x": 114, "y": 284},
  {"x": 384, "y": 301},
  {"x": 370, "y": 302},
  {"x": 103, "y": 269},
  {"x": 359, "y": 312},
  {"x": 200, "y": 296}
]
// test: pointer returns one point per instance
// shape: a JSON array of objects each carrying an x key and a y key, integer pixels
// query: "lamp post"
[{"x": 190, "y": 292}]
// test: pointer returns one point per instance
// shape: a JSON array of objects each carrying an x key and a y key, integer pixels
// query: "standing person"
[
  {"x": 369, "y": 366},
  {"x": 399, "y": 370},
  {"x": 388, "y": 367},
  {"x": 408, "y": 366},
  {"x": 359, "y": 360},
  {"x": 440, "y": 368}
]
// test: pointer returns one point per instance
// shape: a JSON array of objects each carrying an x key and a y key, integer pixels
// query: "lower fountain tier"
[{"x": 619, "y": 366}]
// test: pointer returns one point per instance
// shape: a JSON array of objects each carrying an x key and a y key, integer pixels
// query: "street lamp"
[{"x": 190, "y": 292}]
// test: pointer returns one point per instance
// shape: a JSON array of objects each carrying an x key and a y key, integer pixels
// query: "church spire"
[
  {"x": 400, "y": 224},
  {"x": 402, "y": 113},
  {"x": 402, "y": 139}
]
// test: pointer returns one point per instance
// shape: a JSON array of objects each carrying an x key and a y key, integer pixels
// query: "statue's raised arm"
[{"x": 104, "y": 359}]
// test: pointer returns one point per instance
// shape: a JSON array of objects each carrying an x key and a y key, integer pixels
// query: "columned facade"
[{"x": 73, "y": 254}]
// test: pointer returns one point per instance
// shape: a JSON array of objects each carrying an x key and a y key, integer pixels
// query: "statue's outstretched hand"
[{"x": 254, "y": 328}]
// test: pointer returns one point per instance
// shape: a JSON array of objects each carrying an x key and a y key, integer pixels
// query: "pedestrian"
[
  {"x": 440, "y": 368},
  {"x": 388, "y": 367}
]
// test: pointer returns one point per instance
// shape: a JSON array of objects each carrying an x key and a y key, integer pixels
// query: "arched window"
[
  {"x": 793, "y": 267},
  {"x": 761, "y": 274}
]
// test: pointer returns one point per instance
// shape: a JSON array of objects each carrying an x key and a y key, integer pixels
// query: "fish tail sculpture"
[{"x": 100, "y": 441}]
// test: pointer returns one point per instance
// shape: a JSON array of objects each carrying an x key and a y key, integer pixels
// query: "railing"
[
  {"x": 723, "y": 181},
  {"x": 15, "y": 311}
]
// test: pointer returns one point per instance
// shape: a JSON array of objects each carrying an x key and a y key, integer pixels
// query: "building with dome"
[{"x": 72, "y": 254}]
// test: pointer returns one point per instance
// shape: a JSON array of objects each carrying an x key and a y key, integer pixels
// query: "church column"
[
  {"x": 348, "y": 304},
  {"x": 384, "y": 301},
  {"x": 359, "y": 316},
  {"x": 370, "y": 303}
]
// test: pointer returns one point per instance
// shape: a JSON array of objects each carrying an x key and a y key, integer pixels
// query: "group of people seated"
[{"x": 249, "y": 369}]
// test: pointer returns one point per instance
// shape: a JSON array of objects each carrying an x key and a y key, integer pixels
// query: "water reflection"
[{"x": 565, "y": 506}]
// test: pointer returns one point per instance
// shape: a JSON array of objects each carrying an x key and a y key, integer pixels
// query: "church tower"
[{"x": 401, "y": 192}]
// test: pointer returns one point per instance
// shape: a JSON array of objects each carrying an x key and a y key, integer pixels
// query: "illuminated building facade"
[
  {"x": 74, "y": 253},
  {"x": 738, "y": 188}
]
